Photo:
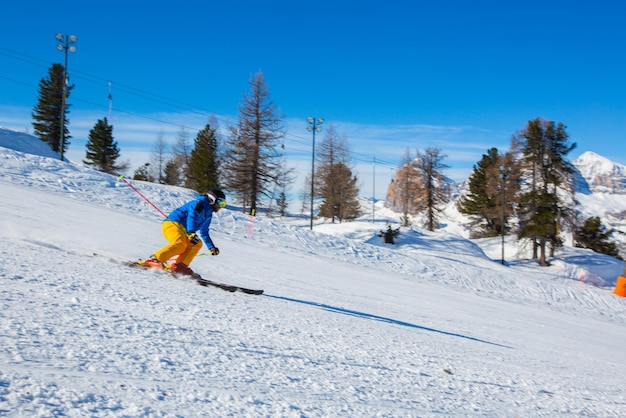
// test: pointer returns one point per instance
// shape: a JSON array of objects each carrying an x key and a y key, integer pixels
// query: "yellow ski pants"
[{"x": 179, "y": 244}]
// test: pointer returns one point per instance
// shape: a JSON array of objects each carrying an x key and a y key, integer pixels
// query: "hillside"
[
  {"x": 599, "y": 189},
  {"x": 348, "y": 326}
]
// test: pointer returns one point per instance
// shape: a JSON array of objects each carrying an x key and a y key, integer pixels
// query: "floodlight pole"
[
  {"x": 65, "y": 45},
  {"x": 313, "y": 127},
  {"x": 503, "y": 177}
]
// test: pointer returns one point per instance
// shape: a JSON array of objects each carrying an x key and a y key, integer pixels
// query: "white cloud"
[{"x": 136, "y": 135}]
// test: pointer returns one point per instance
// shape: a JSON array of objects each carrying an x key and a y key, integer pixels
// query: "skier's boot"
[
  {"x": 181, "y": 268},
  {"x": 154, "y": 262}
]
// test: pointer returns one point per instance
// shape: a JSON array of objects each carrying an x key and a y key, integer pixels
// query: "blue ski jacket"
[{"x": 195, "y": 216}]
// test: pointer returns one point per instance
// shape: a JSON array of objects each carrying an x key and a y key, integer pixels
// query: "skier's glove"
[
  {"x": 214, "y": 251},
  {"x": 194, "y": 239}
]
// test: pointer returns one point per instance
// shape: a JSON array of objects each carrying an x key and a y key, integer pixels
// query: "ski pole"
[{"x": 121, "y": 177}]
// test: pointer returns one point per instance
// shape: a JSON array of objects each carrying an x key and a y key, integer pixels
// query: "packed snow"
[{"x": 434, "y": 325}]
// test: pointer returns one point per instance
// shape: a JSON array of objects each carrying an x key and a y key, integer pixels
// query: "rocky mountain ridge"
[{"x": 600, "y": 174}]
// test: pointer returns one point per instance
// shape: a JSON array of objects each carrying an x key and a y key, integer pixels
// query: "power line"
[
  {"x": 290, "y": 139},
  {"x": 119, "y": 87}
]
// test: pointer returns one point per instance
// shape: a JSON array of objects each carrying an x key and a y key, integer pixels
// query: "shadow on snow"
[{"x": 380, "y": 318}]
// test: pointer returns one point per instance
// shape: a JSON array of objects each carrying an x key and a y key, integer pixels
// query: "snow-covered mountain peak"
[{"x": 601, "y": 174}]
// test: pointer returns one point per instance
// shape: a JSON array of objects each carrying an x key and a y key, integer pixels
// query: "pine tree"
[
  {"x": 171, "y": 173},
  {"x": 341, "y": 195},
  {"x": 334, "y": 182},
  {"x": 143, "y": 173},
  {"x": 544, "y": 146},
  {"x": 282, "y": 203},
  {"x": 102, "y": 151},
  {"x": 158, "y": 159},
  {"x": 286, "y": 178},
  {"x": 202, "y": 172},
  {"x": 47, "y": 113},
  {"x": 181, "y": 153},
  {"x": 494, "y": 175},
  {"x": 430, "y": 166},
  {"x": 594, "y": 236},
  {"x": 406, "y": 188},
  {"x": 305, "y": 194},
  {"x": 252, "y": 164}
]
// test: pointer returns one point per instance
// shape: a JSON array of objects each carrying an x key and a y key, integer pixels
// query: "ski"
[
  {"x": 202, "y": 281},
  {"x": 228, "y": 287}
]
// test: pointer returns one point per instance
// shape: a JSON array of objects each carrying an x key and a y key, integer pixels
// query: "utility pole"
[{"x": 314, "y": 126}]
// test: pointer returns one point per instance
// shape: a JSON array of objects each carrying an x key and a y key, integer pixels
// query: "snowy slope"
[
  {"x": 348, "y": 326},
  {"x": 24, "y": 142}
]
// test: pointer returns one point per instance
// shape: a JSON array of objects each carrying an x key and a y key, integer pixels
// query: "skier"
[{"x": 180, "y": 228}]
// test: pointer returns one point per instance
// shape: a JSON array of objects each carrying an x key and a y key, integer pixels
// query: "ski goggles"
[{"x": 221, "y": 203}]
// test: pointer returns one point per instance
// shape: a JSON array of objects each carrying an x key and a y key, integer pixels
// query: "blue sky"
[{"x": 462, "y": 76}]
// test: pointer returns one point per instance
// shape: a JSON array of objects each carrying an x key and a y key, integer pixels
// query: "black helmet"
[{"x": 216, "y": 195}]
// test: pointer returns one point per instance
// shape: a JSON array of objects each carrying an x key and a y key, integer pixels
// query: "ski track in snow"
[
  {"x": 349, "y": 326},
  {"x": 118, "y": 340}
]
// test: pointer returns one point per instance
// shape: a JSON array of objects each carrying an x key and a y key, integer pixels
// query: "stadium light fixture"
[{"x": 64, "y": 45}]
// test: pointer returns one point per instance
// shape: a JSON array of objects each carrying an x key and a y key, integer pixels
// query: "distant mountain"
[{"x": 600, "y": 174}]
